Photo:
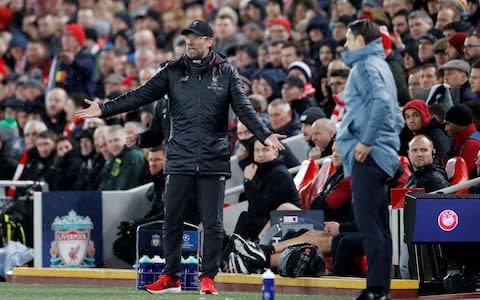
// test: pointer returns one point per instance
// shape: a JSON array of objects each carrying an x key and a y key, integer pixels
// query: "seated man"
[
  {"x": 429, "y": 175},
  {"x": 323, "y": 135},
  {"x": 268, "y": 186}
]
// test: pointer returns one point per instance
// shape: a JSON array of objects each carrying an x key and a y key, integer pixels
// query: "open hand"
[
  {"x": 273, "y": 140},
  {"x": 93, "y": 110}
]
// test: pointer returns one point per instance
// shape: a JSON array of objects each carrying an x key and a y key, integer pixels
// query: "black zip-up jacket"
[
  {"x": 198, "y": 106},
  {"x": 430, "y": 177}
]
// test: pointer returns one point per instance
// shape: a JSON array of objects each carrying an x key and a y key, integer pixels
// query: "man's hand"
[
  {"x": 273, "y": 140},
  {"x": 131, "y": 140},
  {"x": 361, "y": 152},
  {"x": 332, "y": 228},
  {"x": 93, "y": 110},
  {"x": 315, "y": 154},
  {"x": 250, "y": 171}
]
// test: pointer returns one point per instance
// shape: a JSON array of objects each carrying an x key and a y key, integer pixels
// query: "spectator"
[
  {"x": 455, "y": 45},
  {"x": 475, "y": 80},
  {"x": 282, "y": 118},
  {"x": 67, "y": 164},
  {"x": 308, "y": 117},
  {"x": 323, "y": 136},
  {"x": 8, "y": 130},
  {"x": 455, "y": 74},
  {"x": 55, "y": 117},
  {"x": 465, "y": 137},
  {"x": 268, "y": 186},
  {"x": 419, "y": 23},
  {"x": 39, "y": 165},
  {"x": 446, "y": 16},
  {"x": 228, "y": 37},
  {"x": 75, "y": 73},
  {"x": 471, "y": 47},
  {"x": 267, "y": 83},
  {"x": 429, "y": 175},
  {"x": 418, "y": 121},
  {"x": 292, "y": 52},
  {"x": 292, "y": 92},
  {"x": 440, "y": 52},
  {"x": 124, "y": 169},
  {"x": 31, "y": 131},
  {"x": 90, "y": 169},
  {"x": 337, "y": 82}
]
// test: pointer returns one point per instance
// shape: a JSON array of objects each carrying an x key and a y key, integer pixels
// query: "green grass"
[{"x": 78, "y": 292}]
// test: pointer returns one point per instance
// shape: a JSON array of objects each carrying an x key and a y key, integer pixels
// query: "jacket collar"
[
  {"x": 374, "y": 48},
  {"x": 463, "y": 135}
]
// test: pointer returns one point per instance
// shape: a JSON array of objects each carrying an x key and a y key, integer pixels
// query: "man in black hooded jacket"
[{"x": 201, "y": 86}]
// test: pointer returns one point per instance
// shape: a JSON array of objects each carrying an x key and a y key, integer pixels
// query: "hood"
[
  {"x": 374, "y": 48},
  {"x": 421, "y": 107}
]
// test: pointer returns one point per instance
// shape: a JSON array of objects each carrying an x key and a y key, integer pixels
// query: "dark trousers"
[
  {"x": 208, "y": 192},
  {"x": 346, "y": 248},
  {"x": 370, "y": 205}
]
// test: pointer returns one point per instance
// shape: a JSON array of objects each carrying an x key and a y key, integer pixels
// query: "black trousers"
[
  {"x": 209, "y": 193},
  {"x": 370, "y": 206},
  {"x": 346, "y": 248}
]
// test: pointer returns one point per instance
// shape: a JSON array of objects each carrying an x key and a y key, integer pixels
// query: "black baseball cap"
[{"x": 199, "y": 28}]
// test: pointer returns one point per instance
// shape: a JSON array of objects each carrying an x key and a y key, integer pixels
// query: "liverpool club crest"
[{"x": 72, "y": 247}]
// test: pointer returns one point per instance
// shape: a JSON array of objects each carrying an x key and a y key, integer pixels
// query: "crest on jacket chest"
[{"x": 214, "y": 84}]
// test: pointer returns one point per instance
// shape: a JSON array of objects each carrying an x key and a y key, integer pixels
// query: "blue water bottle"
[
  {"x": 268, "y": 288},
  {"x": 144, "y": 272},
  {"x": 192, "y": 273},
  {"x": 183, "y": 267}
]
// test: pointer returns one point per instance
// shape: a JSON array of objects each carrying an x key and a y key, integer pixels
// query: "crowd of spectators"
[{"x": 53, "y": 54}]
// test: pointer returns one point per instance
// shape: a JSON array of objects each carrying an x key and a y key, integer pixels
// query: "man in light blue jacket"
[{"x": 368, "y": 141}]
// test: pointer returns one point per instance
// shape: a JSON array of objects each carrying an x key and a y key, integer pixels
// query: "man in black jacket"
[
  {"x": 430, "y": 176},
  {"x": 427, "y": 173},
  {"x": 200, "y": 86}
]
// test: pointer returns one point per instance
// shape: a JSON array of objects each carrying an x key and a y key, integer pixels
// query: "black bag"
[
  {"x": 124, "y": 246},
  {"x": 301, "y": 260}
]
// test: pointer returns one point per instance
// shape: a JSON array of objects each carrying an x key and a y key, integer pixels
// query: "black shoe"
[
  {"x": 237, "y": 264},
  {"x": 249, "y": 250},
  {"x": 367, "y": 295}
]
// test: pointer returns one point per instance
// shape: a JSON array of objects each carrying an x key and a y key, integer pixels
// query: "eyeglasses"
[{"x": 471, "y": 46}]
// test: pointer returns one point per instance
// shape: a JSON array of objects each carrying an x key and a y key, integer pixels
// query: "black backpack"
[{"x": 301, "y": 260}]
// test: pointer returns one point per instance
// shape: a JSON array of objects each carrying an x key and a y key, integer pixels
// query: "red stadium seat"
[{"x": 457, "y": 172}]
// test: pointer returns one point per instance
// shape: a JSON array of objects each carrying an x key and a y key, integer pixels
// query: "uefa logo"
[{"x": 448, "y": 220}]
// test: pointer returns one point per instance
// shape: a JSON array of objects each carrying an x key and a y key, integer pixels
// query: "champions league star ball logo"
[
  {"x": 447, "y": 220},
  {"x": 72, "y": 247}
]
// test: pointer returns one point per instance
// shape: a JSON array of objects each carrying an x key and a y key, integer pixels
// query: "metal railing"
[{"x": 21, "y": 183}]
